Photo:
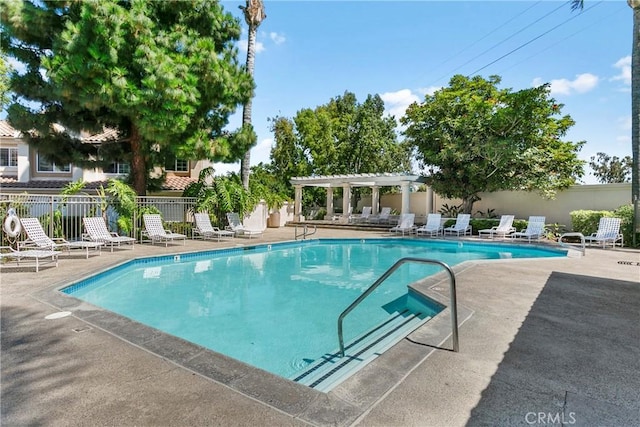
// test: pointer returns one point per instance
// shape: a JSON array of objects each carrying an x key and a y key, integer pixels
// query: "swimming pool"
[{"x": 276, "y": 306}]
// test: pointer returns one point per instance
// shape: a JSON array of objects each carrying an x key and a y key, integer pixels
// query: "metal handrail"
[
  {"x": 394, "y": 267},
  {"x": 305, "y": 233}
]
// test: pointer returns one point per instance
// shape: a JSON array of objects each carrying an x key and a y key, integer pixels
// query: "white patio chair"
[
  {"x": 96, "y": 231},
  {"x": 37, "y": 238},
  {"x": 460, "y": 227},
  {"x": 157, "y": 233},
  {"x": 382, "y": 217},
  {"x": 503, "y": 229},
  {"x": 37, "y": 255},
  {"x": 608, "y": 233},
  {"x": 363, "y": 217},
  {"x": 535, "y": 229},
  {"x": 405, "y": 224},
  {"x": 238, "y": 228},
  {"x": 206, "y": 230},
  {"x": 433, "y": 226}
]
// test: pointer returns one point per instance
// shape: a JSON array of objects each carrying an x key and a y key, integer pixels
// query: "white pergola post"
[
  {"x": 375, "y": 200},
  {"x": 346, "y": 201},
  {"x": 329, "y": 202},
  {"x": 297, "y": 203},
  {"x": 405, "y": 197}
]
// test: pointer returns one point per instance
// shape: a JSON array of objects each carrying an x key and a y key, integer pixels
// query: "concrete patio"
[{"x": 549, "y": 341}]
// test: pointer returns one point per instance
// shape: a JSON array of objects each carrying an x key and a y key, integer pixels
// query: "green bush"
[
  {"x": 483, "y": 224},
  {"x": 625, "y": 212}
]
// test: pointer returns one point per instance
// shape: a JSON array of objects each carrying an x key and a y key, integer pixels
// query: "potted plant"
[{"x": 274, "y": 202}]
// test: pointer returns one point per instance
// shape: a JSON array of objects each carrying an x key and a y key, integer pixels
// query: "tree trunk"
[
  {"x": 467, "y": 205},
  {"x": 635, "y": 104},
  {"x": 245, "y": 163},
  {"x": 253, "y": 15},
  {"x": 138, "y": 162}
]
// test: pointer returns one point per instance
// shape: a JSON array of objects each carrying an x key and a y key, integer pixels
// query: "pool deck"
[{"x": 549, "y": 341}]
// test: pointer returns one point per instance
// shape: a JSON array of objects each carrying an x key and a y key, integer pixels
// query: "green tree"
[
  {"x": 474, "y": 137},
  {"x": 253, "y": 15},
  {"x": 609, "y": 169},
  {"x": 218, "y": 195},
  {"x": 635, "y": 101},
  {"x": 164, "y": 74},
  {"x": 342, "y": 136},
  {"x": 5, "y": 70}
]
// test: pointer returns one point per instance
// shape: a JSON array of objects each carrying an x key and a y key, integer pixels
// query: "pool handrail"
[
  {"x": 394, "y": 267},
  {"x": 305, "y": 232}
]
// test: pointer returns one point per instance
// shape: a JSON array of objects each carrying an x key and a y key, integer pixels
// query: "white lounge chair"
[
  {"x": 37, "y": 255},
  {"x": 156, "y": 231},
  {"x": 460, "y": 227},
  {"x": 206, "y": 230},
  {"x": 433, "y": 227},
  {"x": 608, "y": 233},
  {"x": 405, "y": 224},
  {"x": 363, "y": 217},
  {"x": 382, "y": 217},
  {"x": 97, "y": 231},
  {"x": 502, "y": 230},
  {"x": 238, "y": 228},
  {"x": 534, "y": 230},
  {"x": 342, "y": 217},
  {"x": 37, "y": 238}
]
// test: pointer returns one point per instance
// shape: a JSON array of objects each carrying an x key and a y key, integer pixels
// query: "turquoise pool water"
[{"x": 276, "y": 306}]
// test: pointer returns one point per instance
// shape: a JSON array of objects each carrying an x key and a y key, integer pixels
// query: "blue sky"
[{"x": 312, "y": 51}]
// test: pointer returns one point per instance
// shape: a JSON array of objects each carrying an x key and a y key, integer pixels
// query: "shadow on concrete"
[
  {"x": 25, "y": 370},
  {"x": 575, "y": 359}
]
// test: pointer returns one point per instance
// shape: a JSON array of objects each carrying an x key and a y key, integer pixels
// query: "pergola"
[{"x": 347, "y": 182}]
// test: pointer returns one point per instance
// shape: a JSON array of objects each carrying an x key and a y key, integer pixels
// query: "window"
[
  {"x": 118, "y": 168},
  {"x": 8, "y": 157},
  {"x": 176, "y": 165},
  {"x": 45, "y": 165}
]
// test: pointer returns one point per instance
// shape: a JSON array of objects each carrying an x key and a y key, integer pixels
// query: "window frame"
[
  {"x": 54, "y": 167},
  {"x": 12, "y": 154}
]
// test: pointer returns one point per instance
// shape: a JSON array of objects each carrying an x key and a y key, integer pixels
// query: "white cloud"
[
  {"x": 581, "y": 84},
  {"x": 277, "y": 38},
  {"x": 396, "y": 103},
  {"x": 624, "y": 64},
  {"x": 429, "y": 90},
  {"x": 243, "y": 45}
]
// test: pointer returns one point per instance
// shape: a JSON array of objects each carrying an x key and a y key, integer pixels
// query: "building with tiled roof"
[{"x": 23, "y": 169}]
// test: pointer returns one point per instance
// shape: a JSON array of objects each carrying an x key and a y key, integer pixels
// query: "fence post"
[{"x": 51, "y": 218}]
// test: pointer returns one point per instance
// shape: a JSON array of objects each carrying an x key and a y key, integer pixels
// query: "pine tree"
[{"x": 164, "y": 74}]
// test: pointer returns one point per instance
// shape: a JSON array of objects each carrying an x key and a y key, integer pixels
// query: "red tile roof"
[
  {"x": 7, "y": 131},
  {"x": 172, "y": 183}
]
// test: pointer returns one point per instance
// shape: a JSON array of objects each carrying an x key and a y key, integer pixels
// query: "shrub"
[{"x": 625, "y": 212}]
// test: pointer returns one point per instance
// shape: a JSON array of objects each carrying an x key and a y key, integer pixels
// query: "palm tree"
[
  {"x": 635, "y": 107},
  {"x": 253, "y": 15}
]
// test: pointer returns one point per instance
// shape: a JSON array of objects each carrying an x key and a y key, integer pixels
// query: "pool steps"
[{"x": 330, "y": 370}]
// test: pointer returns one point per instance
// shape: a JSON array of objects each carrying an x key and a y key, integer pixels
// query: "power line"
[
  {"x": 599, "y": 21},
  {"x": 487, "y": 35},
  {"x": 504, "y": 40},
  {"x": 532, "y": 40}
]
